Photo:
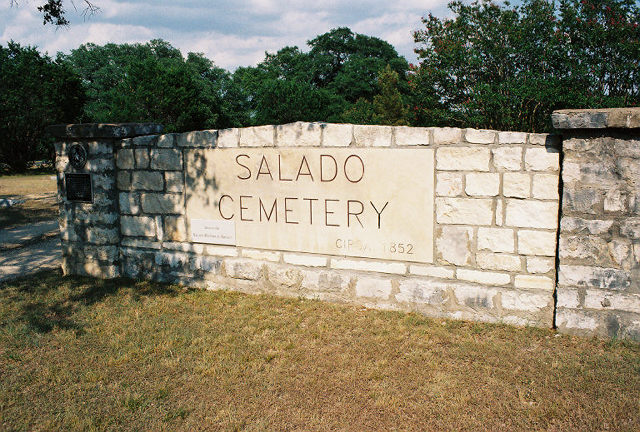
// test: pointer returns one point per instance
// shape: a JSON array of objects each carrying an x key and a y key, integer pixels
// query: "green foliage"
[
  {"x": 508, "y": 67},
  {"x": 36, "y": 92},
  {"x": 152, "y": 82},
  {"x": 338, "y": 75},
  {"x": 388, "y": 106}
]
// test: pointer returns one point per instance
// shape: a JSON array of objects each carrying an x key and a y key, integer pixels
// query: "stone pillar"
[
  {"x": 599, "y": 251},
  {"x": 89, "y": 211}
]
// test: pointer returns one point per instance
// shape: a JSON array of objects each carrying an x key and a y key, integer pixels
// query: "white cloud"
[{"x": 231, "y": 33}]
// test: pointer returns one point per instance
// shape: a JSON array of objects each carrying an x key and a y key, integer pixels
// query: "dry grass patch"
[
  {"x": 39, "y": 193},
  {"x": 82, "y": 354}
]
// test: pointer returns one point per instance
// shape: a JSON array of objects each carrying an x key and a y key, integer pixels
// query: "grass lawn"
[
  {"x": 39, "y": 193},
  {"x": 84, "y": 354}
]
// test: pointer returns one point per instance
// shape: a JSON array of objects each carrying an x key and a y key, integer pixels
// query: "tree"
[
  {"x": 340, "y": 69},
  {"x": 153, "y": 82},
  {"x": 36, "y": 92},
  {"x": 53, "y": 11},
  {"x": 503, "y": 67}
]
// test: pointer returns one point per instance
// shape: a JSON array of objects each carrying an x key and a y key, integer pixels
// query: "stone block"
[
  {"x": 160, "y": 203},
  {"x": 630, "y": 228},
  {"x": 142, "y": 158},
  {"x": 541, "y": 243},
  {"x": 337, "y": 135},
  {"x": 568, "y": 298},
  {"x": 447, "y": 135},
  {"x": 593, "y": 277},
  {"x": 545, "y": 186},
  {"x": 411, "y": 136},
  {"x": 221, "y": 251},
  {"x": 175, "y": 229},
  {"x": 615, "y": 201},
  {"x": 323, "y": 281},
  {"x": 512, "y": 137},
  {"x": 464, "y": 211},
  {"x": 526, "y": 302},
  {"x": 305, "y": 260},
  {"x": 207, "y": 264},
  {"x": 534, "y": 282},
  {"x": 539, "y": 264},
  {"x": 480, "y": 136},
  {"x": 431, "y": 271},
  {"x": 542, "y": 159},
  {"x": 174, "y": 181},
  {"x": 496, "y": 239},
  {"x": 449, "y": 184},
  {"x": 177, "y": 261},
  {"x": 167, "y": 140},
  {"x": 582, "y": 200},
  {"x": 475, "y": 296},
  {"x": 228, "y": 138},
  {"x": 123, "y": 180},
  {"x": 239, "y": 268},
  {"x": 140, "y": 243},
  {"x": 283, "y": 276},
  {"x": 486, "y": 278},
  {"x": 205, "y": 138},
  {"x": 587, "y": 247},
  {"x": 261, "y": 255},
  {"x": 496, "y": 261},
  {"x": 415, "y": 291},
  {"x": 147, "y": 180},
  {"x": 299, "y": 134},
  {"x": 462, "y": 159},
  {"x": 516, "y": 185},
  {"x": 129, "y": 203},
  {"x": 125, "y": 159},
  {"x": 621, "y": 253},
  {"x": 482, "y": 184},
  {"x": 572, "y": 320},
  {"x": 257, "y": 136},
  {"x": 102, "y": 236},
  {"x": 372, "y": 136},
  {"x": 379, "y": 288},
  {"x": 531, "y": 214},
  {"x": 454, "y": 245},
  {"x": 603, "y": 300},
  {"x": 99, "y": 165},
  {"x": 183, "y": 246},
  {"x": 373, "y": 266},
  {"x": 166, "y": 159},
  {"x": 138, "y": 226},
  {"x": 507, "y": 158}
]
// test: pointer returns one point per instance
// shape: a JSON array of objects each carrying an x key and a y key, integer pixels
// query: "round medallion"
[{"x": 77, "y": 156}]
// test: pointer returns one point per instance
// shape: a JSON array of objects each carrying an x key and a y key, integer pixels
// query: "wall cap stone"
[
  {"x": 104, "y": 130},
  {"x": 625, "y": 118}
]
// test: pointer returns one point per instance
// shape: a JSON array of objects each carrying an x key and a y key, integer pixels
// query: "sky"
[{"x": 231, "y": 33}]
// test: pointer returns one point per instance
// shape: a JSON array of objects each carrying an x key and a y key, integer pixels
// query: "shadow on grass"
[{"x": 47, "y": 300}]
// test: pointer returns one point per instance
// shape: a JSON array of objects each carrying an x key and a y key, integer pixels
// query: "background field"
[
  {"x": 84, "y": 354},
  {"x": 39, "y": 193}
]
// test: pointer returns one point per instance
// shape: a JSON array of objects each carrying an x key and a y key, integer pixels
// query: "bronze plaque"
[{"x": 78, "y": 187}]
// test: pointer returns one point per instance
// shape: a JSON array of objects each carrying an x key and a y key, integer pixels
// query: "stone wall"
[
  {"x": 494, "y": 228},
  {"x": 599, "y": 255}
]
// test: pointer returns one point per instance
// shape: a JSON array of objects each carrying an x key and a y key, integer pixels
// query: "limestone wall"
[
  {"x": 599, "y": 277},
  {"x": 492, "y": 226}
]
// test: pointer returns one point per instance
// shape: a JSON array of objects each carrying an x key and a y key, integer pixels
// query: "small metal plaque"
[
  {"x": 77, "y": 156},
  {"x": 78, "y": 187},
  {"x": 220, "y": 232}
]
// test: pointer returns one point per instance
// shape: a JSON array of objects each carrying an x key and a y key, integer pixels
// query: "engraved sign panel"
[
  {"x": 360, "y": 202},
  {"x": 78, "y": 187},
  {"x": 213, "y": 231}
]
